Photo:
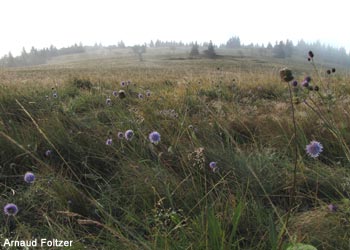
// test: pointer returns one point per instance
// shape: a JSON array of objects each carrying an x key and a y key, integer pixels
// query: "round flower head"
[
  {"x": 154, "y": 137},
  {"x": 29, "y": 177},
  {"x": 128, "y": 82},
  {"x": 328, "y": 71},
  {"x": 115, "y": 93},
  {"x": 148, "y": 93},
  {"x": 122, "y": 84},
  {"x": 314, "y": 149},
  {"x": 332, "y": 208},
  {"x": 120, "y": 135},
  {"x": 108, "y": 101},
  {"x": 10, "y": 209},
  {"x": 295, "y": 83},
  {"x": 333, "y": 70},
  {"x": 213, "y": 165},
  {"x": 54, "y": 95},
  {"x": 311, "y": 54},
  {"x": 140, "y": 96},
  {"x": 48, "y": 152},
  {"x": 129, "y": 134},
  {"x": 307, "y": 79},
  {"x": 305, "y": 84},
  {"x": 109, "y": 142}
]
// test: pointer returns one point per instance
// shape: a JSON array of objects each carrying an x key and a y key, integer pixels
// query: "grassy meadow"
[{"x": 265, "y": 192}]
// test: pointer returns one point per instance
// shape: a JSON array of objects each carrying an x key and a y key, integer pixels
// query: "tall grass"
[{"x": 138, "y": 195}]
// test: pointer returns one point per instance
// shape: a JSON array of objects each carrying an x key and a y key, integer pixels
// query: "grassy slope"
[{"x": 135, "y": 195}]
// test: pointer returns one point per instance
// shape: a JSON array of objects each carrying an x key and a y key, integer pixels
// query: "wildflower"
[
  {"x": 122, "y": 84},
  {"x": 140, "y": 96},
  {"x": 213, "y": 166},
  {"x": 314, "y": 149},
  {"x": 29, "y": 177},
  {"x": 55, "y": 95},
  {"x": 109, "y": 142},
  {"x": 10, "y": 209},
  {"x": 286, "y": 75},
  {"x": 305, "y": 84},
  {"x": 328, "y": 71},
  {"x": 311, "y": 54},
  {"x": 309, "y": 59},
  {"x": 295, "y": 83},
  {"x": 108, "y": 101},
  {"x": 148, "y": 93},
  {"x": 308, "y": 79},
  {"x": 317, "y": 88},
  {"x": 121, "y": 94},
  {"x": 332, "y": 208},
  {"x": 115, "y": 93},
  {"x": 48, "y": 152},
  {"x": 333, "y": 70},
  {"x": 129, "y": 134},
  {"x": 154, "y": 137},
  {"x": 120, "y": 135},
  {"x": 128, "y": 83}
]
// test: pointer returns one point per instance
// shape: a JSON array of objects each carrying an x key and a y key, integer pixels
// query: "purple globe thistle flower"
[
  {"x": 115, "y": 93},
  {"x": 109, "y": 142},
  {"x": 295, "y": 83},
  {"x": 305, "y": 84},
  {"x": 120, "y": 135},
  {"x": 129, "y": 134},
  {"x": 333, "y": 70},
  {"x": 213, "y": 165},
  {"x": 154, "y": 137},
  {"x": 140, "y": 96},
  {"x": 128, "y": 83},
  {"x": 314, "y": 149},
  {"x": 55, "y": 95},
  {"x": 29, "y": 177},
  {"x": 148, "y": 93},
  {"x": 108, "y": 101},
  {"x": 307, "y": 79},
  {"x": 122, "y": 84},
  {"x": 332, "y": 208},
  {"x": 48, "y": 152},
  {"x": 10, "y": 209}
]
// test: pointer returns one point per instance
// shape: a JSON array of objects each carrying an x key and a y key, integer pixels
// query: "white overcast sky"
[{"x": 40, "y": 23}]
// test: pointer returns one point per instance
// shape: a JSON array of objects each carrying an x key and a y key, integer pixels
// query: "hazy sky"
[{"x": 41, "y": 23}]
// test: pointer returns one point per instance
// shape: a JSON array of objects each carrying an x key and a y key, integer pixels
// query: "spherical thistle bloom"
[
  {"x": 332, "y": 208},
  {"x": 128, "y": 82},
  {"x": 286, "y": 75},
  {"x": 55, "y": 95},
  {"x": 309, "y": 59},
  {"x": 129, "y": 134},
  {"x": 295, "y": 83},
  {"x": 10, "y": 209},
  {"x": 311, "y": 54},
  {"x": 213, "y": 165},
  {"x": 109, "y": 142},
  {"x": 308, "y": 79},
  {"x": 122, "y": 84},
  {"x": 120, "y": 135},
  {"x": 333, "y": 70},
  {"x": 140, "y": 96},
  {"x": 121, "y": 94},
  {"x": 115, "y": 93},
  {"x": 154, "y": 137},
  {"x": 305, "y": 84},
  {"x": 29, "y": 177},
  {"x": 48, "y": 152},
  {"x": 148, "y": 93},
  {"x": 314, "y": 149},
  {"x": 328, "y": 71},
  {"x": 108, "y": 101}
]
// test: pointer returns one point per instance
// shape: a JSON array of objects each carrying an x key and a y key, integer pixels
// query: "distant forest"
[{"x": 282, "y": 49}]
